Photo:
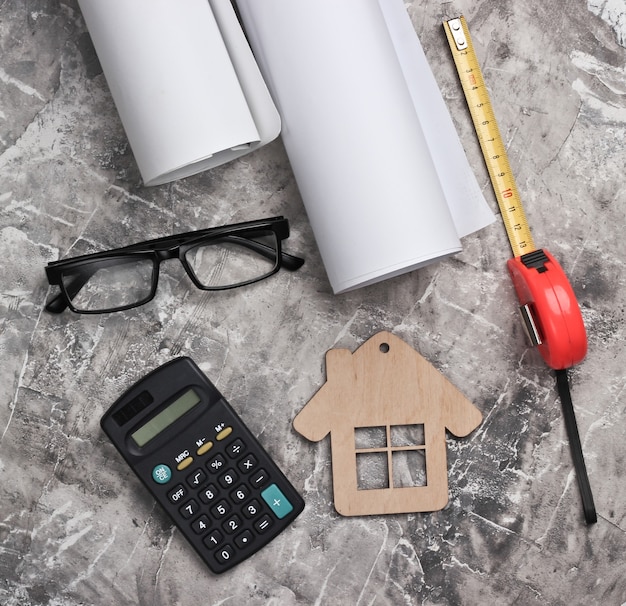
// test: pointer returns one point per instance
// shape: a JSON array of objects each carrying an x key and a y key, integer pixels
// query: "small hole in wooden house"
[
  {"x": 409, "y": 468},
  {"x": 407, "y": 435},
  {"x": 370, "y": 437},
  {"x": 384, "y": 347},
  {"x": 372, "y": 470}
]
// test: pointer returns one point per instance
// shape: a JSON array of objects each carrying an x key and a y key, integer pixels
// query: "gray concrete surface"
[{"x": 76, "y": 527}]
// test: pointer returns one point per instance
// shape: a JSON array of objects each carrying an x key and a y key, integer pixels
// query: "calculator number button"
[
  {"x": 247, "y": 464},
  {"x": 240, "y": 494},
  {"x": 252, "y": 509},
  {"x": 201, "y": 525},
  {"x": 221, "y": 509},
  {"x": 196, "y": 479},
  {"x": 224, "y": 554},
  {"x": 178, "y": 493},
  {"x": 189, "y": 509},
  {"x": 235, "y": 448},
  {"x": 214, "y": 539},
  {"x": 208, "y": 494},
  {"x": 232, "y": 524},
  {"x": 228, "y": 479}
]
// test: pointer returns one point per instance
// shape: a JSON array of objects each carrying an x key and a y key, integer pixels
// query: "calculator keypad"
[{"x": 229, "y": 501}]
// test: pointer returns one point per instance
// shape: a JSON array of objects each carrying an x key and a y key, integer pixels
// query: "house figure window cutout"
[
  {"x": 387, "y": 410},
  {"x": 392, "y": 456}
]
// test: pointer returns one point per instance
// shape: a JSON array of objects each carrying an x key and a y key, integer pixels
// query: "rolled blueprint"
[
  {"x": 382, "y": 174},
  {"x": 186, "y": 86}
]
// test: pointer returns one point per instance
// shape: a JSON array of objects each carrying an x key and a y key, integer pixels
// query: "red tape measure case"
[{"x": 542, "y": 285}]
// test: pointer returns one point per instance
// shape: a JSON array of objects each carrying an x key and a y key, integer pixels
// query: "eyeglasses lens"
[
  {"x": 109, "y": 283},
  {"x": 233, "y": 260}
]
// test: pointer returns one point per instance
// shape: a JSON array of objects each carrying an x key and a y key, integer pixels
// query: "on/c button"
[{"x": 161, "y": 473}]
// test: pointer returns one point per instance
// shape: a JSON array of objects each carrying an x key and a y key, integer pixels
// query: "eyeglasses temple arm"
[
  {"x": 290, "y": 262},
  {"x": 56, "y": 305},
  {"x": 59, "y": 303}
]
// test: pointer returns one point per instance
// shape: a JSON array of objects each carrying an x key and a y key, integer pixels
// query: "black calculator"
[{"x": 201, "y": 463}]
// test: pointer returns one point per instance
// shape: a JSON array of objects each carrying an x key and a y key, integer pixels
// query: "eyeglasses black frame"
[{"x": 174, "y": 247}]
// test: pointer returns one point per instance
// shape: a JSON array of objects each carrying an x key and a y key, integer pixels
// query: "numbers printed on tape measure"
[{"x": 491, "y": 143}]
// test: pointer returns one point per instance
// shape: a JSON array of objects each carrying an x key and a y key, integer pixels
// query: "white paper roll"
[
  {"x": 340, "y": 74},
  {"x": 184, "y": 81}
]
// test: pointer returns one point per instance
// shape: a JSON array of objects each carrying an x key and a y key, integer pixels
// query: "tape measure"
[
  {"x": 491, "y": 143},
  {"x": 549, "y": 309}
]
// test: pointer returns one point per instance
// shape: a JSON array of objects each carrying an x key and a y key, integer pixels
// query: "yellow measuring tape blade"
[{"x": 491, "y": 144}]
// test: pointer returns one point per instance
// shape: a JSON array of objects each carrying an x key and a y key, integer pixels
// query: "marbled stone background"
[{"x": 76, "y": 527}]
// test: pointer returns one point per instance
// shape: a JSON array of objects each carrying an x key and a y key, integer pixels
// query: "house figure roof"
[{"x": 387, "y": 410}]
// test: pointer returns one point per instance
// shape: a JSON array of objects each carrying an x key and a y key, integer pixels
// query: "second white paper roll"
[{"x": 353, "y": 137}]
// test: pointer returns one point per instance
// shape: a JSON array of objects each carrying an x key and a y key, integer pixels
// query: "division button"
[
  {"x": 277, "y": 501},
  {"x": 235, "y": 448},
  {"x": 161, "y": 474}
]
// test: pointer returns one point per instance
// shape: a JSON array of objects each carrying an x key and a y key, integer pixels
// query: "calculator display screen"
[{"x": 165, "y": 418}]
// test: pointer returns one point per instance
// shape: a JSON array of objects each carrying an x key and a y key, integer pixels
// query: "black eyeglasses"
[{"x": 217, "y": 258}]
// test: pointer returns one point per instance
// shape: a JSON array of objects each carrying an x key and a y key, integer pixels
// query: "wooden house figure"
[{"x": 387, "y": 410}]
